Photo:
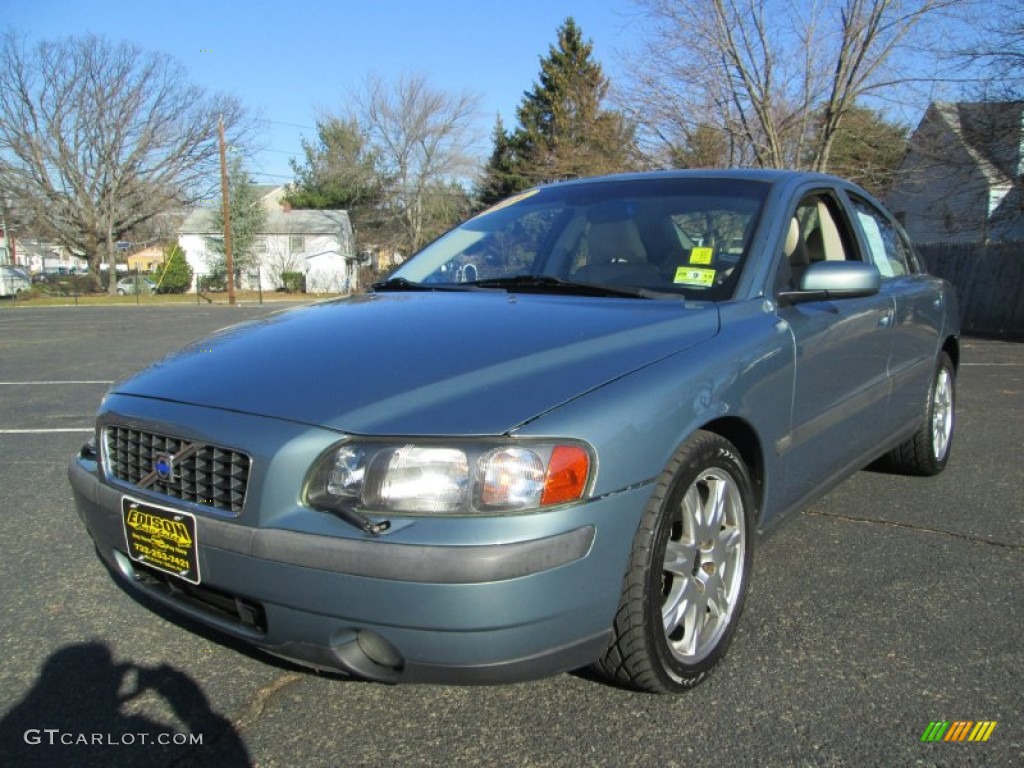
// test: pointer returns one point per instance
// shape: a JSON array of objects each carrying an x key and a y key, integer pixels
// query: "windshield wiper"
[
  {"x": 401, "y": 284},
  {"x": 550, "y": 284}
]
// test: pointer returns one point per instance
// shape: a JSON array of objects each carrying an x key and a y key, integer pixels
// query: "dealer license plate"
[{"x": 161, "y": 538}]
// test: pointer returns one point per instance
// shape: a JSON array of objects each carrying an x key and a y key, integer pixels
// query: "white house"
[
  {"x": 962, "y": 177},
  {"x": 49, "y": 257},
  {"x": 318, "y": 244}
]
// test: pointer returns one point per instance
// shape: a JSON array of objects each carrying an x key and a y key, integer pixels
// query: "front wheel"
[{"x": 688, "y": 571}]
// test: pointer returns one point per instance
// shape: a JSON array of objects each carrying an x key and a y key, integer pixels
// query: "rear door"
[{"x": 918, "y": 302}]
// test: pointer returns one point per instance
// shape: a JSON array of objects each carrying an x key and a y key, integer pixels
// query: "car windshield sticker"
[
  {"x": 701, "y": 256},
  {"x": 694, "y": 276}
]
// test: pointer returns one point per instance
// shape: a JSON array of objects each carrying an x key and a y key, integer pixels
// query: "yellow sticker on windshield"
[
  {"x": 701, "y": 255},
  {"x": 694, "y": 276}
]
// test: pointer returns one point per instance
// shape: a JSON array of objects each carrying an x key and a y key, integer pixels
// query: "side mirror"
[{"x": 829, "y": 280}]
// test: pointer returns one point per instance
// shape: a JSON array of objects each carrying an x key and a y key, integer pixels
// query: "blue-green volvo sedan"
[{"x": 546, "y": 441}]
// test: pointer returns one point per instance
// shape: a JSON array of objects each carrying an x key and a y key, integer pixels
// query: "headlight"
[
  {"x": 449, "y": 478},
  {"x": 416, "y": 478}
]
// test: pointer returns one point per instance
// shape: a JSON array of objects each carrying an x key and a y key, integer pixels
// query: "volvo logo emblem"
[
  {"x": 163, "y": 465},
  {"x": 166, "y": 465}
]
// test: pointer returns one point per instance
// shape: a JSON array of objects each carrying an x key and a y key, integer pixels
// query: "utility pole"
[{"x": 226, "y": 207}]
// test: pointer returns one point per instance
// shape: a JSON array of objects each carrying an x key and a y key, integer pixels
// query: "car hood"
[{"x": 435, "y": 363}]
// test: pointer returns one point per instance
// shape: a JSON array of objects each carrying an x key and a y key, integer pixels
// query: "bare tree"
[
  {"x": 997, "y": 51},
  {"x": 97, "y": 138},
  {"x": 774, "y": 77},
  {"x": 421, "y": 135},
  {"x": 280, "y": 261}
]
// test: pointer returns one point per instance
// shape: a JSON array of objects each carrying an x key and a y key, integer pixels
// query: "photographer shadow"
[{"x": 74, "y": 716}]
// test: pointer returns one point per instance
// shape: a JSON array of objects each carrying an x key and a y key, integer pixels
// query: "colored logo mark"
[
  {"x": 958, "y": 730},
  {"x": 163, "y": 465}
]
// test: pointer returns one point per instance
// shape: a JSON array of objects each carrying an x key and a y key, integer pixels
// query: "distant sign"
[{"x": 122, "y": 245}]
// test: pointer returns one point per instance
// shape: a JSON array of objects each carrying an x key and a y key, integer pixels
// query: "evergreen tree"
[
  {"x": 501, "y": 176},
  {"x": 247, "y": 221},
  {"x": 564, "y": 132},
  {"x": 340, "y": 170},
  {"x": 868, "y": 149}
]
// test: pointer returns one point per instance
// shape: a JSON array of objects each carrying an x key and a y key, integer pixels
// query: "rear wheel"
[
  {"x": 927, "y": 452},
  {"x": 687, "y": 576}
]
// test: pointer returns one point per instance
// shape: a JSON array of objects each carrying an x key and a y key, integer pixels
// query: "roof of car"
[{"x": 769, "y": 175}]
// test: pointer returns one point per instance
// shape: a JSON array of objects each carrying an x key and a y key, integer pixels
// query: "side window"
[
  {"x": 887, "y": 249},
  {"x": 816, "y": 233}
]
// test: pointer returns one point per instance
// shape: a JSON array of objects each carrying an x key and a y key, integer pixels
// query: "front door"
[{"x": 841, "y": 354}]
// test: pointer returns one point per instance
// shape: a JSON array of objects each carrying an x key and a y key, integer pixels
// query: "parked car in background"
[
  {"x": 13, "y": 280},
  {"x": 547, "y": 441},
  {"x": 135, "y": 284}
]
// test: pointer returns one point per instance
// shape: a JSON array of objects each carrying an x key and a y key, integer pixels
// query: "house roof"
[
  {"x": 266, "y": 190},
  {"x": 45, "y": 248},
  {"x": 277, "y": 222},
  {"x": 991, "y": 132}
]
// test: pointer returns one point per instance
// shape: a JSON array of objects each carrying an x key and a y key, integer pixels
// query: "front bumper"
[{"x": 515, "y": 598}]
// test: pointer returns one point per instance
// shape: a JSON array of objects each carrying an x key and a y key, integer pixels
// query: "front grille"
[{"x": 199, "y": 473}]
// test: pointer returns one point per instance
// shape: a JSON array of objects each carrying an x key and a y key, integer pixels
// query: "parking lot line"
[
  {"x": 45, "y": 431},
  {"x": 41, "y": 383}
]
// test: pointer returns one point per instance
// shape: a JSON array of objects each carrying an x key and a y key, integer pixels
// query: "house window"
[
  {"x": 297, "y": 243},
  {"x": 213, "y": 244},
  {"x": 260, "y": 244}
]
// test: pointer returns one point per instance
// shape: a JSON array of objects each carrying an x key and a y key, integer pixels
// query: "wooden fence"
[{"x": 989, "y": 281}]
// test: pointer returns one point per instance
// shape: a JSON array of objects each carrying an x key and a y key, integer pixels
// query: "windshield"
[{"x": 666, "y": 236}]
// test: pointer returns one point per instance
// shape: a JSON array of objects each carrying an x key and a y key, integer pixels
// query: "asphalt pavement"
[{"x": 889, "y": 604}]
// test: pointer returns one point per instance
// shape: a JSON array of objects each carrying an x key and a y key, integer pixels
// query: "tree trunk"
[{"x": 111, "y": 264}]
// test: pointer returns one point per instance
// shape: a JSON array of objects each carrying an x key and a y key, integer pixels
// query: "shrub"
[
  {"x": 213, "y": 283},
  {"x": 176, "y": 275},
  {"x": 293, "y": 282}
]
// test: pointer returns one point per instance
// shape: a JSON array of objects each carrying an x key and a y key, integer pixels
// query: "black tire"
[
  {"x": 927, "y": 452},
  {"x": 708, "y": 587}
]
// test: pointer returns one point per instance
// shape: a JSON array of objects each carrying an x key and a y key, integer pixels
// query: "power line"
[
  {"x": 474, "y": 145},
  {"x": 271, "y": 175},
  {"x": 290, "y": 125}
]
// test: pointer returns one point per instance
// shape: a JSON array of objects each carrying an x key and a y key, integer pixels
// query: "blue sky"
[{"x": 287, "y": 60}]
